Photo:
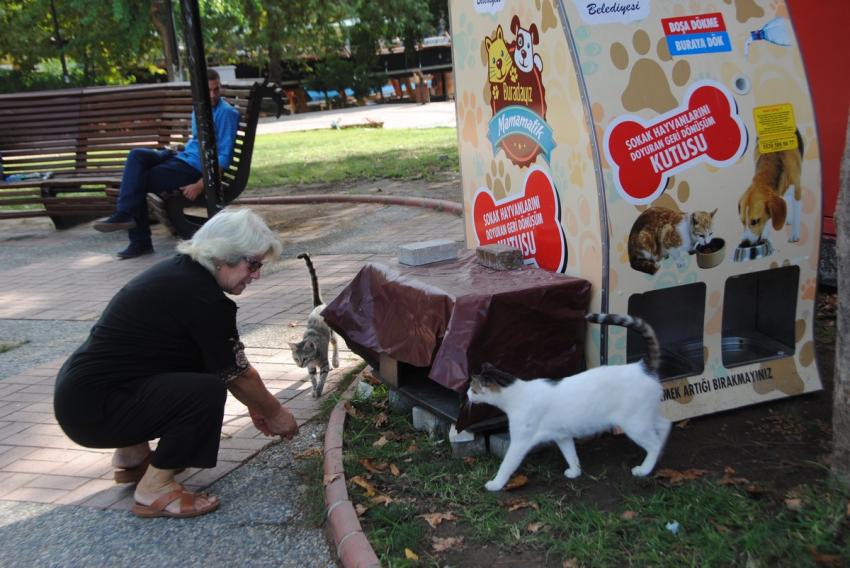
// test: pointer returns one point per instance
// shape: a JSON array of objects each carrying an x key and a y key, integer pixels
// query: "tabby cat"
[
  {"x": 312, "y": 350},
  {"x": 544, "y": 410},
  {"x": 659, "y": 232}
]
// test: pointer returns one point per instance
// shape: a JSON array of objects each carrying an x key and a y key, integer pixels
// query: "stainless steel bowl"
[{"x": 759, "y": 250}]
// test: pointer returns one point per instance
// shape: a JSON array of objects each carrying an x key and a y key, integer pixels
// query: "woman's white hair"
[{"x": 230, "y": 235}]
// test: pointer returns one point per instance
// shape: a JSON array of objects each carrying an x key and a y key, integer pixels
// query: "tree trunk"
[
  {"x": 160, "y": 11},
  {"x": 841, "y": 397}
]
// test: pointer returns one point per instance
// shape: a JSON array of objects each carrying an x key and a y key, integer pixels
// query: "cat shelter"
[{"x": 667, "y": 153}]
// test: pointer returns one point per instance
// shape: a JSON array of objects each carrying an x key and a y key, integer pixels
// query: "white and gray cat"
[
  {"x": 545, "y": 410},
  {"x": 312, "y": 350}
]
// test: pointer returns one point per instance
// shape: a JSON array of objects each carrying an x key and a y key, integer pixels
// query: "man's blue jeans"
[{"x": 150, "y": 171}]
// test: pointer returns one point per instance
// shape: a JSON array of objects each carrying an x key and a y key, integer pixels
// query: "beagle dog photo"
[{"x": 776, "y": 180}]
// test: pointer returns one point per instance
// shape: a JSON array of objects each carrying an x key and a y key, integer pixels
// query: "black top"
[{"x": 174, "y": 317}]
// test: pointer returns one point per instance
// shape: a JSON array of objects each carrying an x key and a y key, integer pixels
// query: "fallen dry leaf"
[
  {"x": 360, "y": 509},
  {"x": 381, "y": 442},
  {"x": 534, "y": 527},
  {"x": 720, "y": 528},
  {"x": 411, "y": 448},
  {"x": 795, "y": 505},
  {"x": 367, "y": 487},
  {"x": 827, "y": 559},
  {"x": 628, "y": 515},
  {"x": 683, "y": 424},
  {"x": 848, "y": 509},
  {"x": 381, "y": 419},
  {"x": 516, "y": 482},
  {"x": 674, "y": 477},
  {"x": 443, "y": 544},
  {"x": 370, "y": 377},
  {"x": 395, "y": 470},
  {"x": 517, "y": 504},
  {"x": 381, "y": 500},
  {"x": 328, "y": 479},
  {"x": 570, "y": 563},
  {"x": 754, "y": 490},
  {"x": 349, "y": 409},
  {"x": 309, "y": 453},
  {"x": 435, "y": 519},
  {"x": 293, "y": 324},
  {"x": 469, "y": 460},
  {"x": 373, "y": 467},
  {"x": 410, "y": 555}
]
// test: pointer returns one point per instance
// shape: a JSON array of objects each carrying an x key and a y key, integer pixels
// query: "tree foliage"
[
  {"x": 103, "y": 42},
  {"x": 109, "y": 41}
]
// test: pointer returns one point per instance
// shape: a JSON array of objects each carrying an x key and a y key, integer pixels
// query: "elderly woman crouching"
[{"x": 160, "y": 360}]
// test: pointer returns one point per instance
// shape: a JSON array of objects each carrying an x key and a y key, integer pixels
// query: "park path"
[{"x": 58, "y": 503}]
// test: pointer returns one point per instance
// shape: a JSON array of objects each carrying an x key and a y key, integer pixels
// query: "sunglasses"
[{"x": 254, "y": 265}]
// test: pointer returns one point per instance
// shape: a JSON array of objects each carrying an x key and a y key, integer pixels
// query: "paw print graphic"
[
  {"x": 549, "y": 20},
  {"x": 746, "y": 9},
  {"x": 494, "y": 92},
  {"x": 513, "y": 74},
  {"x": 587, "y": 49},
  {"x": 469, "y": 115},
  {"x": 809, "y": 289},
  {"x": 577, "y": 164},
  {"x": 649, "y": 84},
  {"x": 498, "y": 182}
]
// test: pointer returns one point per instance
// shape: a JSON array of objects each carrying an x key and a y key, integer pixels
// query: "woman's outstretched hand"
[{"x": 282, "y": 424}]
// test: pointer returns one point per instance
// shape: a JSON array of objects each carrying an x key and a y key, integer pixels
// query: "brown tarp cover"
[{"x": 453, "y": 316}]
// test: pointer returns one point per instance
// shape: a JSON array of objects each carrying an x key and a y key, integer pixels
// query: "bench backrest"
[
  {"x": 78, "y": 132},
  {"x": 90, "y": 131}
]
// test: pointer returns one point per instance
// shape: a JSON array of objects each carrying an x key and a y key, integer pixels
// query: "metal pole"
[
  {"x": 59, "y": 43},
  {"x": 201, "y": 105}
]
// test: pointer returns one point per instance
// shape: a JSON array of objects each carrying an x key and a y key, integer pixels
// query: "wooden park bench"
[{"x": 65, "y": 150}]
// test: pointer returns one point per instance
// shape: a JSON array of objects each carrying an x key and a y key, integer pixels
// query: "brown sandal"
[{"x": 188, "y": 507}]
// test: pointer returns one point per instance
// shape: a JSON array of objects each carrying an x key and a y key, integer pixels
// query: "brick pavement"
[{"x": 39, "y": 464}]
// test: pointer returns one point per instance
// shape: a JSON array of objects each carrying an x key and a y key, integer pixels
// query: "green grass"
[
  {"x": 329, "y": 156},
  {"x": 719, "y": 525}
]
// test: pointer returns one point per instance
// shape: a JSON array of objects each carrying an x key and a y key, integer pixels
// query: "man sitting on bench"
[{"x": 159, "y": 171}]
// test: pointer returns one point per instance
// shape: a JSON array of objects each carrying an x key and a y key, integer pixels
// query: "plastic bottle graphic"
[{"x": 775, "y": 31}]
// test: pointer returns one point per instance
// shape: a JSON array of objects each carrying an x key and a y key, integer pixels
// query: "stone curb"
[
  {"x": 424, "y": 202},
  {"x": 343, "y": 526}
]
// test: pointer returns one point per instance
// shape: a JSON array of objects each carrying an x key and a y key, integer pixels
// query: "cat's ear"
[
  {"x": 712, "y": 213},
  {"x": 293, "y": 346},
  {"x": 486, "y": 367}
]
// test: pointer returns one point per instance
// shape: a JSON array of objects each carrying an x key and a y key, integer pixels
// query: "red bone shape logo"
[
  {"x": 645, "y": 155},
  {"x": 529, "y": 221}
]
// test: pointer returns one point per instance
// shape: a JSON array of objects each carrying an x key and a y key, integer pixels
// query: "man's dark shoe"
[
  {"x": 118, "y": 221},
  {"x": 133, "y": 251}
]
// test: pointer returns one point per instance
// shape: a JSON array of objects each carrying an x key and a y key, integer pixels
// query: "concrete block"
[
  {"x": 466, "y": 443},
  {"x": 499, "y": 257},
  {"x": 425, "y": 421},
  {"x": 426, "y": 252},
  {"x": 399, "y": 403}
]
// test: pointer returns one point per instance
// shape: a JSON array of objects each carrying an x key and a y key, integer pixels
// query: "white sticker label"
[
  {"x": 608, "y": 12},
  {"x": 489, "y": 6}
]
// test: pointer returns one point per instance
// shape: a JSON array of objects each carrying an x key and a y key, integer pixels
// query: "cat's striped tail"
[
  {"x": 314, "y": 279},
  {"x": 653, "y": 349}
]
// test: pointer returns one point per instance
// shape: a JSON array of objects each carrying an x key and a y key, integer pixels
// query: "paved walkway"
[{"x": 58, "y": 503}]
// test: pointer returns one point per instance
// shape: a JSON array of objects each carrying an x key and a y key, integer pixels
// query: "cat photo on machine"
[
  {"x": 659, "y": 233},
  {"x": 599, "y": 399}
]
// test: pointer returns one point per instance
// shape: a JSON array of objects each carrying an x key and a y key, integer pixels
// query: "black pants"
[{"x": 184, "y": 410}]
